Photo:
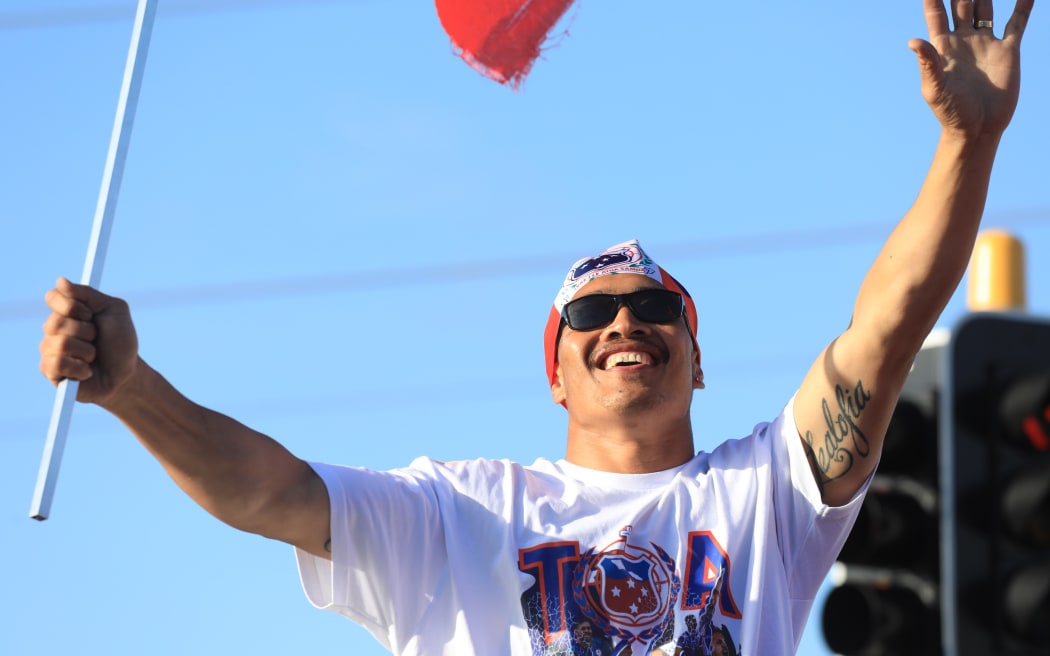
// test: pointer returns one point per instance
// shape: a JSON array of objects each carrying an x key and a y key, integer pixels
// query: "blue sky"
[{"x": 334, "y": 230}]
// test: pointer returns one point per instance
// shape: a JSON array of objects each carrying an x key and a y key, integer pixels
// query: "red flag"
[{"x": 500, "y": 38}]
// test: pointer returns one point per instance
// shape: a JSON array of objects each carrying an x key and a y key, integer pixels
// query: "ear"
[
  {"x": 698, "y": 372},
  {"x": 557, "y": 388}
]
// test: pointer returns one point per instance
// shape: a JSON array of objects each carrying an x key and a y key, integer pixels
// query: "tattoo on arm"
[
  {"x": 821, "y": 478},
  {"x": 843, "y": 440},
  {"x": 328, "y": 545}
]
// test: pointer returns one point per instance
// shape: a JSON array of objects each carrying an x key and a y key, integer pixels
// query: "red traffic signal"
[{"x": 995, "y": 487}]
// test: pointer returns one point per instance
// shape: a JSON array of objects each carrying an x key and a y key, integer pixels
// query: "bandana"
[{"x": 627, "y": 257}]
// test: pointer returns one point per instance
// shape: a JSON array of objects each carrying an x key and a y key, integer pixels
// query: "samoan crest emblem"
[
  {"x": 610, "y": 258},
  {"x": 628, "y": 591}
]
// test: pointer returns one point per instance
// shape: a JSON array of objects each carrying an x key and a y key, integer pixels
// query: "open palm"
[{"x": 970, "y": 78}]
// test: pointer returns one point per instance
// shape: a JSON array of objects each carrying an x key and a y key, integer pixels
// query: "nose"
[{"x": 625, "y": 324}]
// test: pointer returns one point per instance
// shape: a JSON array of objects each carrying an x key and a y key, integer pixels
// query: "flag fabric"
[{"x": 500, "y": 38}]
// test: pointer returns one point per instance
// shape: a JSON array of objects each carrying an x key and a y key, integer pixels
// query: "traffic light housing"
[
  {"x": 886, "y": 596},
  {"x": 995, "y": 481}
]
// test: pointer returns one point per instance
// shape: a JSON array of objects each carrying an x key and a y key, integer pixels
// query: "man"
[
  {"x": 690, "y": 642},
  {"x": 720, "y": 643},
  {"x": 583, "y": 641},
  {"x": 698, "y": 639},
  {"x": 631, "y": 530}
]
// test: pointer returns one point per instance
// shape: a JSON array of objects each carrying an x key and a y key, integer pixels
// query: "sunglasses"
[{"x": 599, "y": 310}]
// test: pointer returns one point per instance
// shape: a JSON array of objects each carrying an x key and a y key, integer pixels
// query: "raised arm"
[
  {"x": 970, "y": 80},
  {"x": 237, "y": 474}
]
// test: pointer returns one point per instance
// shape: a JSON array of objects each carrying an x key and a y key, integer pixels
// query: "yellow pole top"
[{"x": 996, "y": 278}]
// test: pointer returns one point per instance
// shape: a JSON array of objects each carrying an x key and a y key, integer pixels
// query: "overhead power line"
[
  {"x": 464, "y": 272},
  {"x": 459, "y": 272}
]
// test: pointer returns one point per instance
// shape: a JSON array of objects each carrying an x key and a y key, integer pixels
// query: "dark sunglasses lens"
[
  {"x": 597, "y": 310},
  {"x": 656, "y": 305},
  {"x": 590, "y": 312}
]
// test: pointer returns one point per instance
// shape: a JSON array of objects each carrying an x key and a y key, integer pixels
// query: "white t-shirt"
[{"x": 493, "y": 558}]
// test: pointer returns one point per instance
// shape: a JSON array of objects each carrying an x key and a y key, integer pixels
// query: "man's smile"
[
  {"x": 627, "y": 359},
  {"x": 630, "y": 354}
]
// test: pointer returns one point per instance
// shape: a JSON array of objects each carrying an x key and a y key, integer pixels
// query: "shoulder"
[{"x": 766, "y": 440}]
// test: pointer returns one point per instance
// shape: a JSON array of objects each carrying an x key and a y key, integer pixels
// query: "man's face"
[
  {"x": 629, "y": 364},
  {"x": 584, "y": 633},
  {"x": 718, "y": 644}
]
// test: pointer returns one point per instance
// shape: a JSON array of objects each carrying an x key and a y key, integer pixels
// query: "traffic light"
[
  {"x": 995, "y": 450},
  {"x": 886, "y": 596}
]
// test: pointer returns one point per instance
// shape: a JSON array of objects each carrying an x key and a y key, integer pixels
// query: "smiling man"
[
  {"x": 623, "y": 359},
  {"x": 633, "y": 531}
]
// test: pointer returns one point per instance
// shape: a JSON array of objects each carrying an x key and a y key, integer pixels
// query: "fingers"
[
  {"x": 67, "y": 349},
  {"x": 966, "y": 14},
  {"x": 936, "y": 18},
  {"x": 978, "y": 14},
  {"x": 962, "y": 13},
  {"x": 926, "y": 53},
  {"x": 974, "y": 14},
  {"x": 982, "y": 11},
  {"x": 62, "y": 302},
  {"x": 64, "y": 326},
  {"x": 1018, "y": 20},
  {"x": 65, "y": 357},
  {"x": 88, "y": 335},
  {"x": 931, "y": 67},
  {"x": 80, "y": 301}
]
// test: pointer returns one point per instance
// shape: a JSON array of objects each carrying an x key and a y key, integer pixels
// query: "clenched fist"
[{"x": 89, "y": 338}]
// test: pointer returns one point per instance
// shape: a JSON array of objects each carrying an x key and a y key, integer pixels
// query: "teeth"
[{"x": 627, "y": 358}]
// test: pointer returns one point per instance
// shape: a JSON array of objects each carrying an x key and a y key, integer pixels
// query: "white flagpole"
[{"x": 65, "y": 398}]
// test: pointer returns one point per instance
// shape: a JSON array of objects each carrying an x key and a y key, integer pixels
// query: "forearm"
[
  {"x": 237, "y": 474},
  {"x": 926, "y": 255}
]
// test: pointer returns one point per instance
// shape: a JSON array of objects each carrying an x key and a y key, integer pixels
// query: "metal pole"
[{"x": 65, "y": 398}]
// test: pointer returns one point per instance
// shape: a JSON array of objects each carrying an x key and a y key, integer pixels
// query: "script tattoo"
[
  {"x": 812, "y": 458},
  {"x": 841, "y": 427}
]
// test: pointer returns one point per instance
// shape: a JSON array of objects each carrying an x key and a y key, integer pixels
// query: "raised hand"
[
  {"x": 89, "y": 337},
  {"x": 970, "y": 78}
]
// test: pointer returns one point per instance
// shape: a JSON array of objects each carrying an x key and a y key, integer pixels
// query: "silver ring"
[{"x": 982, "y": 23}]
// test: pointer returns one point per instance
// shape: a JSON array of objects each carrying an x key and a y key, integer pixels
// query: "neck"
[{"x": 630, "y": 445}]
